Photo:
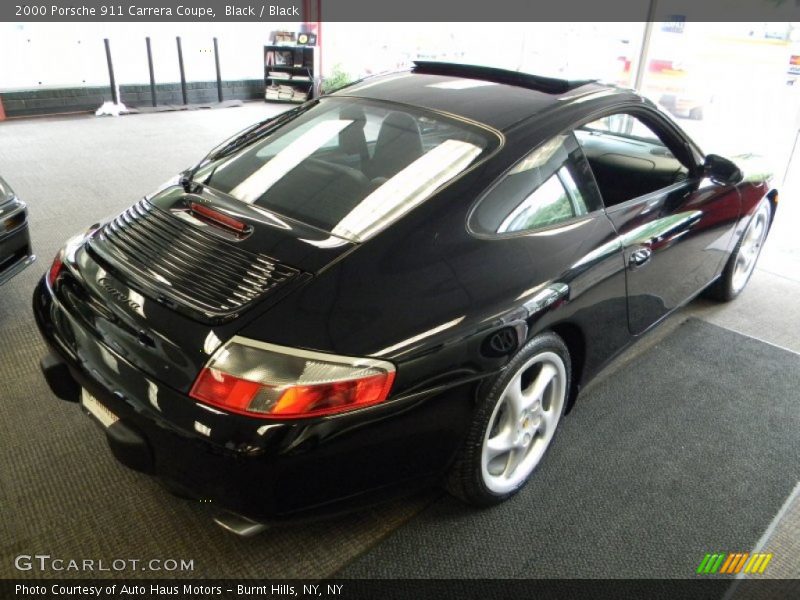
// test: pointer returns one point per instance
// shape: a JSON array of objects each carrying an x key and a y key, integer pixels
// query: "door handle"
[{"x": 640, "y": 257}]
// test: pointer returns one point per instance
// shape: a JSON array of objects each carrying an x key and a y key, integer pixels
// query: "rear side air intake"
[{"x": 170, "y": 259}]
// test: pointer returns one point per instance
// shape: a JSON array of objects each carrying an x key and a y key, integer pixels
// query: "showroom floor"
[{"x": 69, "y": 497}]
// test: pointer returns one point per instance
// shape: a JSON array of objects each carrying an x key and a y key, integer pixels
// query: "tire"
[
  {"x": 511, "y": 429},
  {"x": 743, "y": 259}
]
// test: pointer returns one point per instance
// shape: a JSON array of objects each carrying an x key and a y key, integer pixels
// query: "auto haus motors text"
[
  {"x": 105, "y": 591},
  {"x": 185, "y": 590}
]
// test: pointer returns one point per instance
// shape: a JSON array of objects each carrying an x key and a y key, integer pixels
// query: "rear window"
[{"x": 350, "y": 166}]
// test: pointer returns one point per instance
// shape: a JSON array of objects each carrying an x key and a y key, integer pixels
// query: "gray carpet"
[{"x": 692, "y": 447}]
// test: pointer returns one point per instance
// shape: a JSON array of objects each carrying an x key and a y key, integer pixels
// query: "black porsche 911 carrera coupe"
[
  {"x": 15, "y": 239},
  {"x": 405, "y": 282}
]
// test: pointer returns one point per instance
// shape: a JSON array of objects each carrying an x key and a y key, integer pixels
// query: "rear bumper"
[{"x": 261, "y": 469}]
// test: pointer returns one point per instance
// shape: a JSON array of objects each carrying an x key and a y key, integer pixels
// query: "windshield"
[{"x": 349, "y": 166}]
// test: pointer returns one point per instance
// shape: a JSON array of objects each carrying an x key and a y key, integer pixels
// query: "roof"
[{"x": 494, "y": 97}]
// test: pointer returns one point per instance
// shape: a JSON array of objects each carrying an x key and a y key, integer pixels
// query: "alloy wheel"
[
  {"x": 523, "y": 422},
  {"x": 749, "y": 249}
]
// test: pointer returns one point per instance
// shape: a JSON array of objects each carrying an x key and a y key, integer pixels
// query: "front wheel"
[
  {"x": 742, "y": 262},
  {"x": 514, "y": 424}
]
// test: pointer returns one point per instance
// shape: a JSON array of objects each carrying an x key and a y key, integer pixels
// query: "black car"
[
  {"x": 15, "y": 239},
  {"x": 405, "y": 282}
]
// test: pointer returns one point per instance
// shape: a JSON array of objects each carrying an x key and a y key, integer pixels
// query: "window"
[
  {"x": 624, "y": 125},
  {"x": 349, "y": 166},
  {"x": 546, "y": 187},
  {"x": 628, "y": 158},
  {"x": 547, "y": 204}
]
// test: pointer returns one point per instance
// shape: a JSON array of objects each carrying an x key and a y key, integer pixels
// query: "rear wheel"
[
  {"x": 514, "y": 424},
  {"x": 742, "y": 261}
]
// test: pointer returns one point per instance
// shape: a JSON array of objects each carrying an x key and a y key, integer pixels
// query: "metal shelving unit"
[{"x": 290, "y": 73}]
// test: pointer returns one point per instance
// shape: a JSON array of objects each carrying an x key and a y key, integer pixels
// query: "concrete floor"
[{"x": 144, "y": 150}]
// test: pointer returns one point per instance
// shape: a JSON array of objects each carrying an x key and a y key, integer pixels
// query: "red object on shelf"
[
  {"x": 311, "y": 13},
  {"x": 2, "y": 110}
]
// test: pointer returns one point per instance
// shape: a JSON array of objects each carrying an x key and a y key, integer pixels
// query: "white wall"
[{"x": 38, "y": 55}]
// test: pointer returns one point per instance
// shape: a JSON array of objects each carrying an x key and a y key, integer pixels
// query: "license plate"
[{"x": 97, "y": 410}]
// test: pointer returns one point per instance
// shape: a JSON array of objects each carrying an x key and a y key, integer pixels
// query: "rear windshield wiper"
[{"x": 248, "y": 136}]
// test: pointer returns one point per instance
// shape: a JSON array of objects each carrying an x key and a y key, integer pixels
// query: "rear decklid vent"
[{"x": 175, "y": 262}]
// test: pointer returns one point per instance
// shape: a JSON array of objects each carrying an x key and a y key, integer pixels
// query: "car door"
[
  {"x": 676, "y": 226},
  {"x": 551, "y": 250}
]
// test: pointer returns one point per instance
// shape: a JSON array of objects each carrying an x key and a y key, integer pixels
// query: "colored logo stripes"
[{"x": 734, "y": 562}]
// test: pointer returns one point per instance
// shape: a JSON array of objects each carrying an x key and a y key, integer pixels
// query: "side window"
[
  {"x": 628, "y": 158},
  {"x": 624, "y": 125},
  {"x": 546, "y": 205},
  {"x": 550, "y": 185}
]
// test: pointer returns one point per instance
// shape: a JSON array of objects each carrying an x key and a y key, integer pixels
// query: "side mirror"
[{"x": 722, "y": 170}]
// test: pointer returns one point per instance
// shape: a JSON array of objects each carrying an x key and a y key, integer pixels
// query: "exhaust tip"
[{"x": 241, "y": 526}]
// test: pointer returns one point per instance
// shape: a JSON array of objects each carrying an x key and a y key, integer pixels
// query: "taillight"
[
  {"x": 67, "y": 253},
  {"x": 55, "y": 268},
  {"x": 269, "y": 381},
  {"x": 12, "y": 223}
]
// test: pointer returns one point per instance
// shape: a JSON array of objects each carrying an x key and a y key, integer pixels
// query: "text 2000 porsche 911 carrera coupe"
[{"x": 404, "y": 282}]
